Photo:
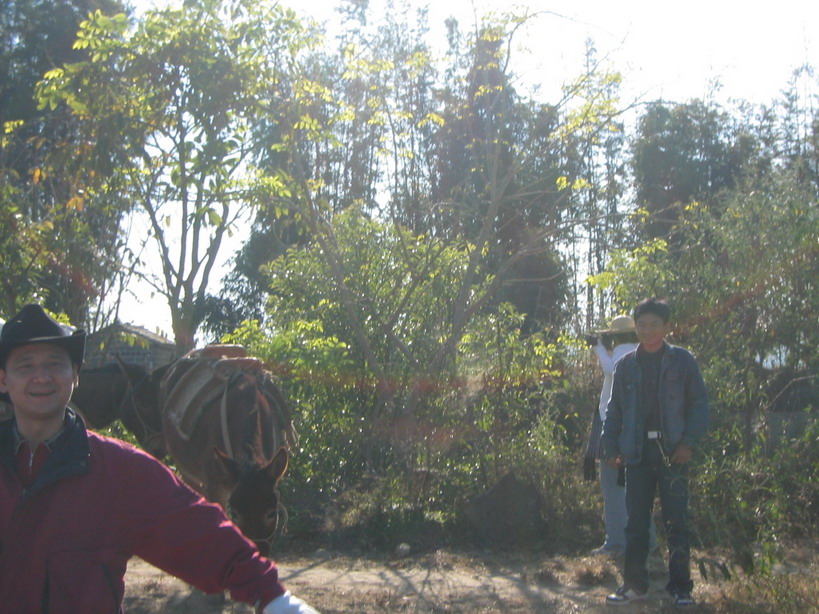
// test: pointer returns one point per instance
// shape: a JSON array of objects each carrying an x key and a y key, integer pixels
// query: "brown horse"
[
  {"x": 230, "y": 446},
  {"x": 125, "y": 392}
]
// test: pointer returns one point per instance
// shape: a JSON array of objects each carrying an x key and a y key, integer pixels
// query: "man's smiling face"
[
  {"x": 39, "y": 378},
  {"x": 651, "y": 331}
]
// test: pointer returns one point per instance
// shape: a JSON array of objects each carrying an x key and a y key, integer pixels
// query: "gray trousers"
[{"x": 615, "y": 515}]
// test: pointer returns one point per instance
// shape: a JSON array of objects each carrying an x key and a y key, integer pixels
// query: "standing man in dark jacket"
[
  {"x": 75, "y": 506},
  {"x": 657, "y": 413}
]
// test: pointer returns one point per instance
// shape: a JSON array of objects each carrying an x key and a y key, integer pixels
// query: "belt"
[{"x": 654, "y": 434}]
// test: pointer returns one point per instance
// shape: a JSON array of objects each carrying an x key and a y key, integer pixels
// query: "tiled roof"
[{"x": 132, "y": 329}]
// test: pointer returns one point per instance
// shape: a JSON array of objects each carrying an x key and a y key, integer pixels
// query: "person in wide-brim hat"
[{"x": 33, "y": 325}]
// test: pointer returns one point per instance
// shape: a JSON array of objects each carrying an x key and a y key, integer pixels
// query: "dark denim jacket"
[{"x": 684, "y": 412}]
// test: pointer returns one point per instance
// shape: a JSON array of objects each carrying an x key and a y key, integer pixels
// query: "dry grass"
[{"x": 451, "y": 582}]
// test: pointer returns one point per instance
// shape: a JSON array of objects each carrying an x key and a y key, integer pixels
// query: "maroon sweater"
[{"x": 96, "y": 502}]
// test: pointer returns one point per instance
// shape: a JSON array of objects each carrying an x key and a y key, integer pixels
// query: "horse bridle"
[
  {"x": 280, "y": 527},
  {"x": 130, "y": 395}
]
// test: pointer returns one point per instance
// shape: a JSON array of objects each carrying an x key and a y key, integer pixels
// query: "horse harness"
[
  {"x": 130, "y": 395},
  {"x": 203, "y": 381},
  {"x": 208, "y": 378},
  {"x": 208, "y": 375},
  {"x": 281, "y": 527}
]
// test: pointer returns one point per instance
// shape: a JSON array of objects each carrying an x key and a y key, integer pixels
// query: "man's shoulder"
[
  {"x": 629, "y": 357},
  {"x": 678, "y": 352},
  {"x": 118, "y": 451},
  {"x": 106, "y": 441}
]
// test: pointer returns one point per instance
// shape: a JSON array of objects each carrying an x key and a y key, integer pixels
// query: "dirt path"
[{"x": 440, "y": 582}]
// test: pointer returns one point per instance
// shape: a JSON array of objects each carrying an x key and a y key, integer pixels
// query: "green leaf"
[{"x": 214, "y": 218}]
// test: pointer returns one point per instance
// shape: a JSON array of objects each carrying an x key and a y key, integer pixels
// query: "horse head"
[{"x": 253, "y": 499}]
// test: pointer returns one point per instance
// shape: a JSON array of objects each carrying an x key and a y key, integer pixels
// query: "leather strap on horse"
[
  {"x": 198, "y": 385},
  {"x": 223, "y": 417},
  {"x": 209, "y": 375}
]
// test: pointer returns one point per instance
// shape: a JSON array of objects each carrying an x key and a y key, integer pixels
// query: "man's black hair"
[{"x": 655, "y": 306}]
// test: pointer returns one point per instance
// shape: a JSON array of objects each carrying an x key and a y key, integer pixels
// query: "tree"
[
  {"x": 59, "y": 241},
  {"x": 340, "y": 127},
  {"x": 173, "y": 101},
  {"x": 488, "y": 200},
  {"x": 798, "y": 131},
  {"x": 355, "y": 416},
  {"x": 372, "y": 124},
  {"x": 681, "y": 153},
  {"x": 592, "y": 136},
  {"x": 495, "y": 170}
]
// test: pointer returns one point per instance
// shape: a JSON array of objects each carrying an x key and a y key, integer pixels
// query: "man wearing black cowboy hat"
[
  {"x": 36, "y": 341},
  {"x": 75, "y": 506}
]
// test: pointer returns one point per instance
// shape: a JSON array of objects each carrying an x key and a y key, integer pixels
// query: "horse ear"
[
  {"x": 230, "y": 466},
  {"x": 277, "y": 466}
]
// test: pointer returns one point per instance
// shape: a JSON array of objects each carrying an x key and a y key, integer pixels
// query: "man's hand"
[
  {"x": 682, "y": 454},
  {"x": 287, "y": 604},
  {"x": 615, "y": 462}
]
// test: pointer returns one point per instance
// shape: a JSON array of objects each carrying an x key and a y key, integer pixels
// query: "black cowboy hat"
[{"x": 33, "y": 325}]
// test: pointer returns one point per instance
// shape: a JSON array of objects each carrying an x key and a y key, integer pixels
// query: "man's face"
[
  {"x": 651, "y": 331},
  {"x": 39, "y": 378}
]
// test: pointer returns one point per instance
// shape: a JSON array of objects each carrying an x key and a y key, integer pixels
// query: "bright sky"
[
  {"x": 664, "y": 50},
  {"x": 669, "y": 50}
]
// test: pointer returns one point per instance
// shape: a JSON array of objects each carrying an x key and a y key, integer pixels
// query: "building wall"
[{"x": 132, "y": 344}]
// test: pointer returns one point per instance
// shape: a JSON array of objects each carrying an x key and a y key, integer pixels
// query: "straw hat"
[{"x": 619, "y": 324}]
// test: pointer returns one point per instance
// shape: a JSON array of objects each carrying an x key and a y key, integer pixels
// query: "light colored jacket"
[{"x": 607, "y": 362}]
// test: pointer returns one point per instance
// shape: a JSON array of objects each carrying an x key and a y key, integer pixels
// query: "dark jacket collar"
[
  {"x": 664, "y": 349},
  {"x": 70, "y": 451}
]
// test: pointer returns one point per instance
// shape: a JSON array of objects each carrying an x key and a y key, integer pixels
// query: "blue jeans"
[{"x": 642, "y": 482}]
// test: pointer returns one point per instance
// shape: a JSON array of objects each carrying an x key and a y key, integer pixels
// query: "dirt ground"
[{"x": 447, "y": 582}]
